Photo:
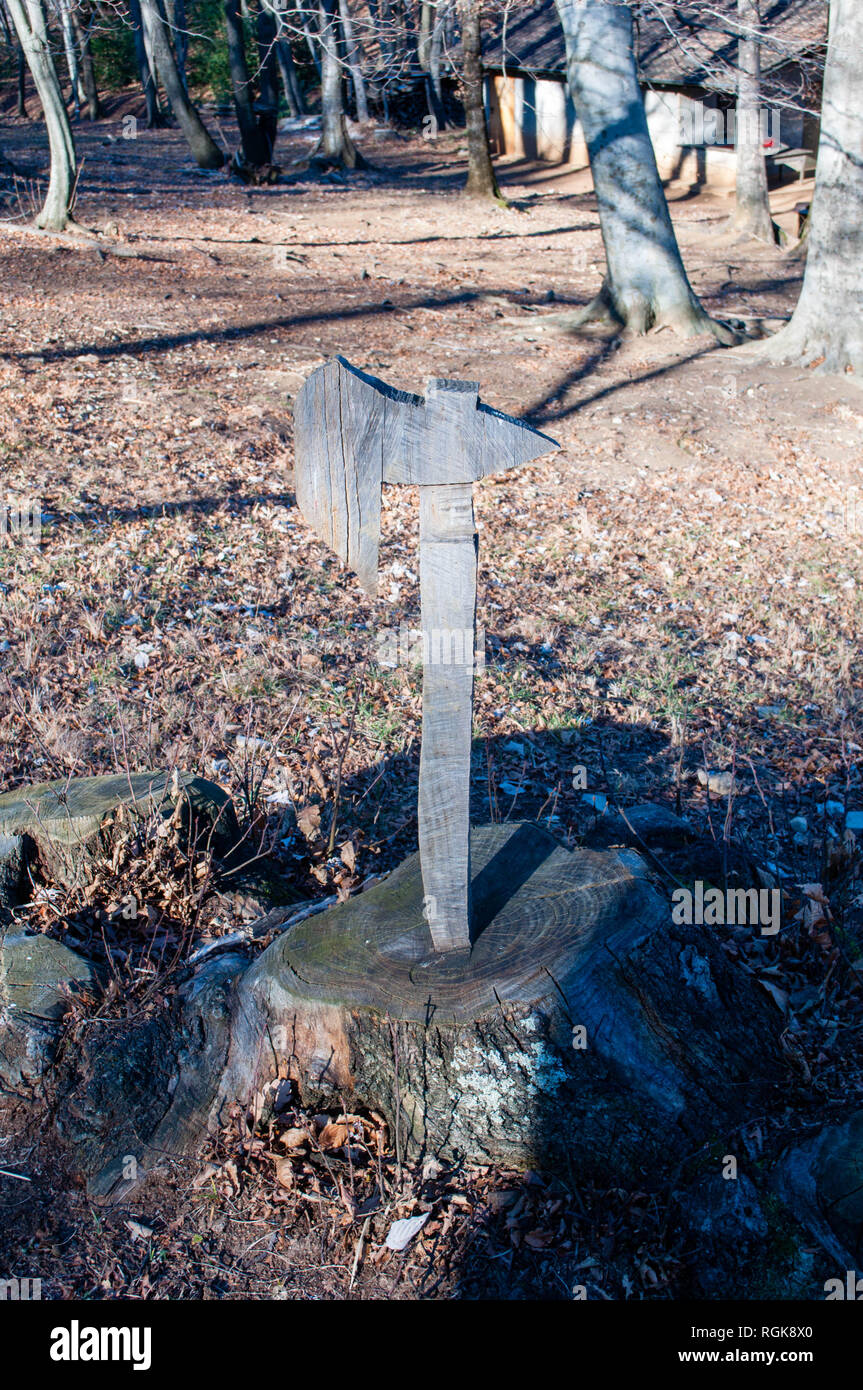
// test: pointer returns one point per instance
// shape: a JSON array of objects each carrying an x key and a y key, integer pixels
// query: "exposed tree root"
[
  {"x": 746, "y": 229},
  {"x": 829, "y": 349},
  {"x": 80, "y": 238},
  {"x": 639, "y": 317},
  {"x": 349, "y": 162}
]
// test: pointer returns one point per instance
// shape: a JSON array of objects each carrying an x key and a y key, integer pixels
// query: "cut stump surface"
[{"x": 540, "y": 915}]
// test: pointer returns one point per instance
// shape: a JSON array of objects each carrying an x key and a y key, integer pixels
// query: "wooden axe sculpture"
[{"x": 352, "y": 433}]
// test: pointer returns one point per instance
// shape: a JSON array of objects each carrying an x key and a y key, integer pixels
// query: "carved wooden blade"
[
  {"x": 448, "y": 561},
  {"x": 454, "y": 438},
  {"x": 353, "y": 432},
  {"x": 508, "y": 442},
  {"x": 345, "y": 425}
]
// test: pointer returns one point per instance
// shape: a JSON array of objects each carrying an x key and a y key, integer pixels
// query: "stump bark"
[
  {"x": 580, "y": 1025},
  {"x": 39, "y": 978},
  {"x": 583, "y": 1028}
]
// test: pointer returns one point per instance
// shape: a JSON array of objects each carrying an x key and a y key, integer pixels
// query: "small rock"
[
  {"x": 719, "y": 783},
  {"x": 137, "y": 1231},
  {"x": 766, "y": 878},
  {"x": 596, "y": 800},
  {"x": 854, "y": 821},
  {"x": 725, "y": 1210},
  {"x": 821, "y": 1181},
  {"x": 799, "y": 824},
  {"x": 834, "y": 809},
  {"x": 248, "y": 743},
  {"x": 648, "y": 823},
  {"x": 653, "y": 822}
]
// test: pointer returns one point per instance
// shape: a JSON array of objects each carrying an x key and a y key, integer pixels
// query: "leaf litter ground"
[{"x": 675, "y": 593}]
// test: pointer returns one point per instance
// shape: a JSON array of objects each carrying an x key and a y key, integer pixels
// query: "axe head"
[{"x": 352, "y": 433}]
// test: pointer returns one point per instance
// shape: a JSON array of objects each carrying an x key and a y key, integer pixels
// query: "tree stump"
[
  {"x": 583, "y": 1029},
  {"x": 583, "y": 1026},
  {"x": 67, "y": 822}
]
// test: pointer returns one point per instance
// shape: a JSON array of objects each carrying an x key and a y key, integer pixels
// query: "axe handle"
[{"x": 448, "y": 567}]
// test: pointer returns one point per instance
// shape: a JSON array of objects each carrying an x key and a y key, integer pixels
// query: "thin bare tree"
[
  {"x": 481, "y": 178},
  {"x": 752, "y": 214},
  {"x": 645, "y": 284},
  {"x": 31, "y": 26},
  {"x": 826, "y": 330},
  {"x": 201, "y": 143},
  {"x": 337, "y": 147}
]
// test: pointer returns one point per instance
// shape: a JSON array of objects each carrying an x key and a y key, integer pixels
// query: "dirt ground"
[{"x": 678, "y": 588}]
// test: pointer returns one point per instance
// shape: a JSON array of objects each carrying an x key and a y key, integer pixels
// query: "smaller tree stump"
[{"x": 67, "y": 822}]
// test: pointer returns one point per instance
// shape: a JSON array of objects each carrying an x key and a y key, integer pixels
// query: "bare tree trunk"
[
  {"x": 752, "y": 216},
  {"x": 75, "y": 84},
  {"x": 21, "y": 106},
  {"x": 176, "y": 14},
  {"x": 827, "y": 327},
  {"x": 381, "y": 12},
  {"x": 267, "y": 105},
  {"x": 31, "y": 26},
  {"x": 336, "y": 144},
  {"x": 290, "y": 81},
  {"x": 81, "y": 22},
  {"x": 434, "y": 85},
  {"x": 354, "y": 61},
  {"x": 481, "y": 180},
  {"x": 310, "y": 42},
  {"x": 202, "y": 145},
  {"x": 145, "y": 67},
  {"x": 424, "y": 33},
  {"x": 252, "y": 138},
  {"x": 645, "y": 284}
]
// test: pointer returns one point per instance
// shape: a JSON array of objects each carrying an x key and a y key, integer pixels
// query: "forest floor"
[{"x": 676, "y": 591}]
